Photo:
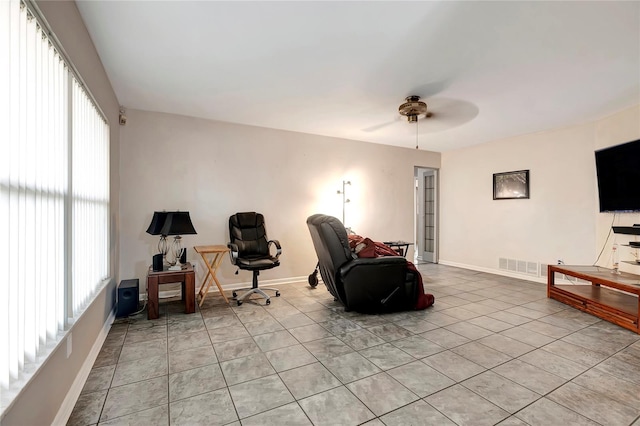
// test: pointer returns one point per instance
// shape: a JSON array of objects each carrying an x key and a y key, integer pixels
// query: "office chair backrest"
[{"x": 248, "y": 231}]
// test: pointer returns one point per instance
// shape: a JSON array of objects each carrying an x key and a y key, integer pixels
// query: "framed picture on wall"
[{"x": 511, "y": 185}]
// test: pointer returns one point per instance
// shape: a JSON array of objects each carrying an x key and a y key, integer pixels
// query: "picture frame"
[{"x": 511, "y": 185}]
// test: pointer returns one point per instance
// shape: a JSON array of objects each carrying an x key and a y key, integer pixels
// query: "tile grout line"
[{"x": 353, "y": 318}]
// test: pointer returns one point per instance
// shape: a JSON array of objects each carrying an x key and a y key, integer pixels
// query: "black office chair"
[{"x": 250, "y": 250}]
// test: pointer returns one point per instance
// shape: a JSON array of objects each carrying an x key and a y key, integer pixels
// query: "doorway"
[{"x": 426, "y": 208}]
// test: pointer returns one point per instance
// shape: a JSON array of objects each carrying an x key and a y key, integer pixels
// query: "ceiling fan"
[
  {"x": 444, "y": 113},
  {"x": 413, "y": 108}
]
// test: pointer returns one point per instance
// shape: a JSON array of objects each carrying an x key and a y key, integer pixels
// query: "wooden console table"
[
  {"x": 600, "y": 298},
  {"x": 186, "y": 277}
]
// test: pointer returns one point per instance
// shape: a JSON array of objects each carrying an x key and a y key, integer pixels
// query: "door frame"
[{"x": 419, "y": 214}]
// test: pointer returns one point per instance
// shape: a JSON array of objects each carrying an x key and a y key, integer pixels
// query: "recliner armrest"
[
  {"x": 375, "y": 284},
  {"x": 364, "y": 262},
  {"x": 278, "y": 247},
  {"x": 233, "y": 254}
]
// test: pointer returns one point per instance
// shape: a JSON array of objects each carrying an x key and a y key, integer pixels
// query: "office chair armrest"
[
  {"x": 233, "y": 253},
  {"x": 278, "y": 247}
]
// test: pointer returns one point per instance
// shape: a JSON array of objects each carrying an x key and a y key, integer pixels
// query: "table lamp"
[
  {"x": 177, "y": 224},
  {"x": 155, "y": 228}
]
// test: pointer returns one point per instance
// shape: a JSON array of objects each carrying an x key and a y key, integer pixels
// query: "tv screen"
[{"x": 618, "y": 169}]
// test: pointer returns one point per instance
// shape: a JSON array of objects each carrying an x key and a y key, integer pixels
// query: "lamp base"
[{"x": 176, "y": 267}]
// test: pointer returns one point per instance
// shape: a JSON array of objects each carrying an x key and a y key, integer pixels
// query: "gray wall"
[
  {"x": 42, "y": 398},
  {"x": 561, "y": 220},
  {"x": 214, "y": 169}
]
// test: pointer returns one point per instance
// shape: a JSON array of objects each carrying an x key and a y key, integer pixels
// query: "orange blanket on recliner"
[{"x": 365, "y": 247}]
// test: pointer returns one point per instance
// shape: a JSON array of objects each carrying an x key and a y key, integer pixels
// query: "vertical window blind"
[
  {"x": 54, "y": 195},
  {"x": 90, "y": 198}
]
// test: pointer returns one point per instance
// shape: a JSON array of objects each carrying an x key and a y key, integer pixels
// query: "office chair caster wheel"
[
  {"x": 268, "y": 302},
  {"x": 239, "y": 302},
  {"x": 235, "y": 294},
  {"x": 277, "y": 294}
]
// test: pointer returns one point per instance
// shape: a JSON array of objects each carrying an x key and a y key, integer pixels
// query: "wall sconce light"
[{"x": 122, "y": 117}]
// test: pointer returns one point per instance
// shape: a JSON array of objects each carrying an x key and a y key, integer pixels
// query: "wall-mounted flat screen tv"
[{"x": 618, "y": 169}]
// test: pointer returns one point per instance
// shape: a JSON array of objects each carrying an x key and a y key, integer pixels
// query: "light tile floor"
[{"x": 492, "y": 350}]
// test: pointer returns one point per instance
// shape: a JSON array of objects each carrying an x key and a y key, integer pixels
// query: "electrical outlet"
[
  {"x": 69, "y": 345},
  {"x": 560, "y": 262}
]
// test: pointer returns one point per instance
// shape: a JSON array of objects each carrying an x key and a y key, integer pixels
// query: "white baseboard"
[
  {"x": 542, "y": 280},
  {"x": 501, "y": 272},
  {"x": 266, "y": 283},
  {"x": 74, "y": 392},
  {"x": 230, "y": 287}
]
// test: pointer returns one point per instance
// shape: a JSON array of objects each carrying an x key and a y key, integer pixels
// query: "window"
[
  {"x": 54, "y": 195},
  {"x": 89, "y": 198}
]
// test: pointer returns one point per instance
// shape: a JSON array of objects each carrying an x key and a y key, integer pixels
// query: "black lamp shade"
[
  {"x": 178, "y": 223},
  {"x": 157, "y": 222}
]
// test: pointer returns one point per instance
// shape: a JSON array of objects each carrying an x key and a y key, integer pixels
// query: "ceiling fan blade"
[
  {"x": 447, "y": 113},
  {"x": 442, "y": 114},
  {"x": 379, "y": 126},
  {"x": 427, "y": 90}
]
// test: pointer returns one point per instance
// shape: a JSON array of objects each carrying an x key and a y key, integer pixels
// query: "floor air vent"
[
  {"x": 519, "y": 266},
  {"x": 502, "y": 263}
]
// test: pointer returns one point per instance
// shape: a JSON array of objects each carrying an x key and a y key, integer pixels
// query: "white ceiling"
[{"x": 487, "y": 70}]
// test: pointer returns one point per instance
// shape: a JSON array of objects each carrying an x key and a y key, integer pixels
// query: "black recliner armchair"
[
  {"x": 368, "y": 285},
  {"x": 250, "y": 251}
]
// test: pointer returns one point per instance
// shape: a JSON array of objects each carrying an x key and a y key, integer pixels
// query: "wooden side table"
[
  {"x": 186, "y": 277},
  {"x": 212, "y": 257},
  {"x": 401, "y": 247}
]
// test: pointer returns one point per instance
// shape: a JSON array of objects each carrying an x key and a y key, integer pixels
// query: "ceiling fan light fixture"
[{"x": 413, "y": 108}]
